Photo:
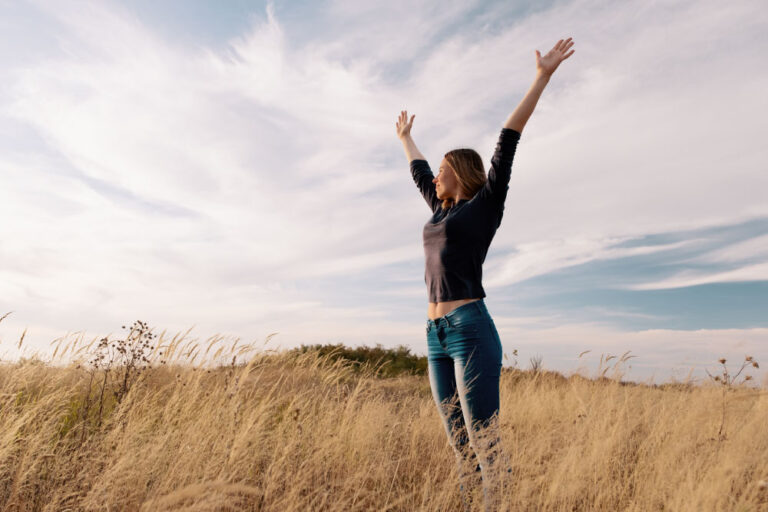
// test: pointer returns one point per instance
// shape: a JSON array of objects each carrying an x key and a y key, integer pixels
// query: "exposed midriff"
[{"x": 438, "y": 309}]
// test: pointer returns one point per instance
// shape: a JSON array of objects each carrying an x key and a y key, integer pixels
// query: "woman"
[{"x": 464, "y": 347}]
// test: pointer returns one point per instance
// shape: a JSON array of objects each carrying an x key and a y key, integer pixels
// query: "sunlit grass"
[{"x": 217, "y": 426}]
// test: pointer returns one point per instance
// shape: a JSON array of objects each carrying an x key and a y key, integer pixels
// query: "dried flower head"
[{"x": 722, "y": 360}]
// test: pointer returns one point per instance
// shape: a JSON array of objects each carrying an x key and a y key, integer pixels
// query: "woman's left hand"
[{"x": 547, "y": 64}]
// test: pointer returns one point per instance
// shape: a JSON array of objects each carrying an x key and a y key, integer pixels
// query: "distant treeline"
[{"x": 390, "y": 362}]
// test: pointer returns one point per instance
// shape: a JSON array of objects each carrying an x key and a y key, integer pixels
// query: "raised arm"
[
  {"x": 501, "y": 163},
  {"x": 404, "y": 134},
  {"x": 545, "y": 66},
  {"x": 420, "y": 171}
]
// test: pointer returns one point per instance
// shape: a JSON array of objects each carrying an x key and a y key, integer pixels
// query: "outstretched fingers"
[
  {"x": 563, "y": 45},
  {"x": 566, "y": 48},
  {"x": 562, "y": 48},
  {"x": 403, "y": 125}
]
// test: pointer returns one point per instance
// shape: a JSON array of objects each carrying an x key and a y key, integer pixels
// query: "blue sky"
[{"x": 234, "y": 168}]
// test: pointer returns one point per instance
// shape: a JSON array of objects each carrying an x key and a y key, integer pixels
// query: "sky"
[{"x": 232, "y": 169}]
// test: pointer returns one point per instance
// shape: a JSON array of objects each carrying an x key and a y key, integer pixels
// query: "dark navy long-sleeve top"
[{"x": 456, "y": 240}]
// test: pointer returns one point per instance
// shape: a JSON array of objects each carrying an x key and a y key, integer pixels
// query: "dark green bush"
[{"x": 390, "y": 362}]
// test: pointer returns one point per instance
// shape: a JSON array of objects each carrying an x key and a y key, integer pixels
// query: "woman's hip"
[{"x": 466, "y": 329}]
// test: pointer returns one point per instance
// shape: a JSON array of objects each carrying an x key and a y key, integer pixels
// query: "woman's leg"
[
  {"x": 442, "y": 381},
  {"x": 475, "y": 347},
  {"x": 478, "y": 388}
]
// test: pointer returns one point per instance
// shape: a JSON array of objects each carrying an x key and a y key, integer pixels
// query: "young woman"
[{"x": 464, "y": 347}]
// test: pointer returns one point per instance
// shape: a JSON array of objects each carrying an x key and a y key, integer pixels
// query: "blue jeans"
[{"x": 464, "y": 370}]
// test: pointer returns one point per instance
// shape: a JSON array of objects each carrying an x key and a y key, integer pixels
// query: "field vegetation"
[{"x": 147, "y": 423}]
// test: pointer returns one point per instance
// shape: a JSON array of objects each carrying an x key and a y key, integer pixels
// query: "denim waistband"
[{"x": 477, "y": 305}]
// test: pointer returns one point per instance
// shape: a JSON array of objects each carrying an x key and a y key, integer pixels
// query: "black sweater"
[{"x": 456, "y": 240}]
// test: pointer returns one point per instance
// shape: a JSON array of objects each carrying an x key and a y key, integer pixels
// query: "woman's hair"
[{"x": 468, "y": 167}]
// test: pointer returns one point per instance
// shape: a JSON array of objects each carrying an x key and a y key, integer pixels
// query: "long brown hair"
[{"x": 468, "y": 167}]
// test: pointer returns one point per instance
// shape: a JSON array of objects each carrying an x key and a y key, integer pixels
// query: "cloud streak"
[{"x": 226, "y": 186}]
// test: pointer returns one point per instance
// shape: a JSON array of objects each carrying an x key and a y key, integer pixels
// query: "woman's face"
[{"x": 446, "y": 184}]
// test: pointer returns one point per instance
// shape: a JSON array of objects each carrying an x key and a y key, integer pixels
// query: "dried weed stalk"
[
  {"x": 114, "y": 367},
  {"x": 728, "y": 382}
]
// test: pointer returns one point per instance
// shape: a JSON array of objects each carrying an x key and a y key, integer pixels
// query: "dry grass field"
[{"x": 283, "y": 431}]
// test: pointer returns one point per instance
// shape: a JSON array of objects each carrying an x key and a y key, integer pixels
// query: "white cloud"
[
  {"x": 545, "y": 256},
  {"x": 284, "y": 160},
  {"x": 753, "y": 248},
  {"x": 758, "y": 272}
]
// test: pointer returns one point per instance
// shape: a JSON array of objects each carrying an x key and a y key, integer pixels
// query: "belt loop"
[{"x": 447, "y": 321}]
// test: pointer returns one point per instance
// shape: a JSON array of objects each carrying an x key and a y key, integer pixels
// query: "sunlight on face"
[{"x": 446, "y": 184}]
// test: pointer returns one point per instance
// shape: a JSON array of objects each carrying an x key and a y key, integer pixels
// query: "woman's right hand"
[{"x": 403, "y": 125}]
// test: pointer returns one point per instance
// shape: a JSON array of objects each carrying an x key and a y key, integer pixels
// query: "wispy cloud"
[
  {"x": 757, "y": 272},
  {"x": 224, "y": 186}
]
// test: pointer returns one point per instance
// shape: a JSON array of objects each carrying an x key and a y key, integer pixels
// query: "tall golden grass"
[{"x": 283, "y": 431}]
